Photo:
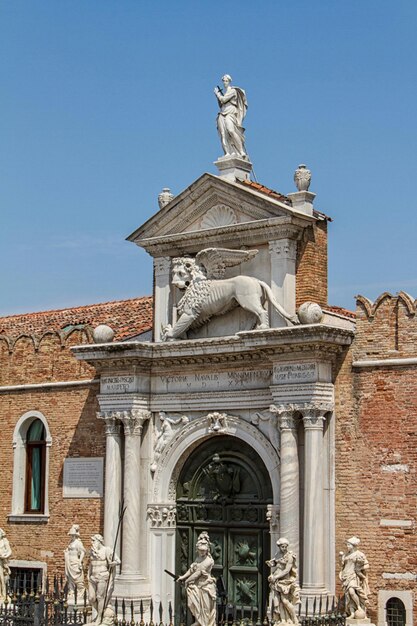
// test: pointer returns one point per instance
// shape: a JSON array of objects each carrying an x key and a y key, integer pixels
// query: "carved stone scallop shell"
[{"x": 219, "y": 215}]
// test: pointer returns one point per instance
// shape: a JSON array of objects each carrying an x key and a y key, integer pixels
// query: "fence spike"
[{"x": 141, "y": 623}]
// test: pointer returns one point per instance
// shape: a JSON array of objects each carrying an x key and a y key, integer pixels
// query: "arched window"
[
  {"x": 395, "y": 612},
  {"x": 35, "y": 468},
  {"x": 31, "y": 442}
]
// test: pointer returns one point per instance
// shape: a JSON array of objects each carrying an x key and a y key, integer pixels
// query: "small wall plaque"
[{"x": 83, "y": 477}]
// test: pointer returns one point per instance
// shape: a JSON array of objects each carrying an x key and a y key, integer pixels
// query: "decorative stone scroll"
[{"x": 162, "y": 515}]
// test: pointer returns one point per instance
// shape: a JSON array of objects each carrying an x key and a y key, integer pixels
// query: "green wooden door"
[{"x": 224, "y": 488}]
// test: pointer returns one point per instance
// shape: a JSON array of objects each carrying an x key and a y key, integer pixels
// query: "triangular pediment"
[{"x": 210, "y": 202}]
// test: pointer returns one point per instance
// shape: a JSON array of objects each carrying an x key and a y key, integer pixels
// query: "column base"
[
  {"x": 132, "y": 586},
  {"x": 309, "y": 596}
]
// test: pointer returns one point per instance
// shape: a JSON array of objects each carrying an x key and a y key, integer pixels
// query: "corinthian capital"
[
  {"x": 314, "y": 415},
  {"x": 133, "y": 420},
  {"x": 162, "y": 265},
  {"x": 112, "y": 425},
  {"x": 285, "y": 415},
  {"x": 283, "y": 248}
]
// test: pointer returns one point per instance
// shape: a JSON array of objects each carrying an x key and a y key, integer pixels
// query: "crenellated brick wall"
[{"x": 376, "y": 449}]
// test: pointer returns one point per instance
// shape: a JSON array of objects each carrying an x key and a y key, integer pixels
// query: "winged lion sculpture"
[{"x": 208, "y": 294}]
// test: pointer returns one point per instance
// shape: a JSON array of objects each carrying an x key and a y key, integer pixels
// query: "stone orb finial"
[
  {"x": 310, "y": 313},
  {"x": 302, "y": 178},
  {"x": 103, "y": 334},
  {"x": 165, "y": 197}
]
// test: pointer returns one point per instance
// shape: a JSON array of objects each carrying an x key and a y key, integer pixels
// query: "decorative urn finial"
[
  {"x": 302, "y": 178},
  {"x": 165, "y": 197}
]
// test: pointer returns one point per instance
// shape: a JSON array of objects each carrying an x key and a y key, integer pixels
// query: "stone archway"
[
  {"x": 162, "y": 507},
  {"x": 224, "y": 488}
]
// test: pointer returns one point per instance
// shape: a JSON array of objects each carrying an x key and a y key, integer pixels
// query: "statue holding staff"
[
  {"x": 233, "y": 105},
  {"x": 200, "y": 584},
  {"x": 101, "y": 575},
  {"x": 285, "y": 592}
]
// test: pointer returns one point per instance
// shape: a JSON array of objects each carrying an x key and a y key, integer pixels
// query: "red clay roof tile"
[{"x": 128, "y": 318}]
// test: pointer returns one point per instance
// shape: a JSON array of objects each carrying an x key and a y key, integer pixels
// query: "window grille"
[
  {"x": 395, "y": 611},
  {"x": 25, "y": 579}
]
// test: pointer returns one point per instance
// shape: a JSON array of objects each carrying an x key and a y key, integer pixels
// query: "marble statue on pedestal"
[
  {"x": 354, "y": 578},
  {"x": 233, "y": 105},
  {"x": 207, "y": 294},
  {"x": 101, "y": 573},
  {"x": 74, "y": 556},
  {"x": 200, "y": 584},
  {"x": 5, "y": 554},
  {"x": 285, "y": 592}
]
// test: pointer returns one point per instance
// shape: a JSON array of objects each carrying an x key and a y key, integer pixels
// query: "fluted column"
[
  {"x": 283, "y": 259},
  {"x": 162, "y": 269},
  {"x": 289, "y": 479},
  {"x": 132, "y": 423},
  {"x": 313, "y": 547},
  {"x": 113, "y": 478}
]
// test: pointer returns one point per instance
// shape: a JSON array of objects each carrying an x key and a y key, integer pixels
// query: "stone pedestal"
[
  {"x": 365, "y": 621},
  {"x": 232, "y": 167},
  {"x": 302, "y": 201}
]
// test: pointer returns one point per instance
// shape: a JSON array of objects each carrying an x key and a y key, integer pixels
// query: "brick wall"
[
  {"x": 312, "y": 265},
  {"x": 75, "y": 431},
  {"x": 376, "y": 450}
]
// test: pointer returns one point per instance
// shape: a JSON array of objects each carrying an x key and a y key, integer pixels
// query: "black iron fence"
[{"x": 54, "y": 606}]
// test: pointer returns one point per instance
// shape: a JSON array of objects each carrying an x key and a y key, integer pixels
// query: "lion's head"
[{"x": 184, "y": 269}]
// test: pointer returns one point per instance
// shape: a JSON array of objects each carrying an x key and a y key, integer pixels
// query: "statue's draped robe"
[{"x": 229, "y": 123}]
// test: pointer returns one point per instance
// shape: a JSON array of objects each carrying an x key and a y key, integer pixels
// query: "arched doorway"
[{"x": 224, "y": 488}]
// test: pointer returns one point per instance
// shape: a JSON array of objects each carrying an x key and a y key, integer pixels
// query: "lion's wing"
[{"x": 215, "y": 260}]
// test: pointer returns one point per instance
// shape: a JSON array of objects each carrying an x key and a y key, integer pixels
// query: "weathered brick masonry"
[
  {"x": 376, "y": 449},
  {"x": 35, "y": 349}
]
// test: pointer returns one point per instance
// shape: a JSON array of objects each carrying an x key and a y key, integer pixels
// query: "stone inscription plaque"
[
  {"x": 212, "y": 381},
  {"x": 117, "y": 384},
  {"x": 295, "y": 373},
  {"x": 83, "y": 477}
]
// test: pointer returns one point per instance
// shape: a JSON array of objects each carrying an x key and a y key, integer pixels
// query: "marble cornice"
[
  {"x": 245, "y": 233},
  {"x": 300, "y": 342}
]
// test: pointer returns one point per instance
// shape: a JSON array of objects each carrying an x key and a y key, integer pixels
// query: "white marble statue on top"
[
  {"x": 233, "y": 105},
  {"x": 5, "y": 554},
  {"x": 208, "y": 294},
  {"x": 284, "y": 590},
  {"x": 74, "y": 556},
  {"x": 101, "y": 574},
  {"x": 354, "y": 578},
  {"x": 200, "y": 584}
]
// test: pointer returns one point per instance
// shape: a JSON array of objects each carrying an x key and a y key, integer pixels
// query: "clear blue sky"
[{"x": 104, "y": 102}]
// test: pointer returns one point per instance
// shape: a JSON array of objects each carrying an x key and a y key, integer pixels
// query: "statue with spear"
[{"x": 102, "y": 571}]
